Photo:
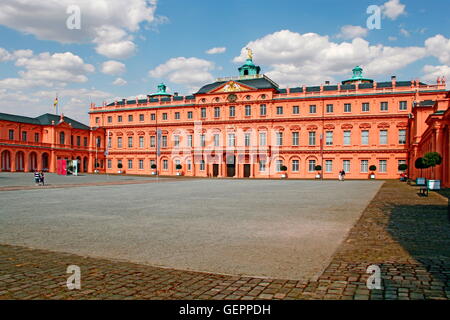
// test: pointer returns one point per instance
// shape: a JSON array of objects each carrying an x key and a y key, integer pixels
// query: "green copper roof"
[
  {"x": 357, "y": 76},
  {"x": 161, "y": 91}
]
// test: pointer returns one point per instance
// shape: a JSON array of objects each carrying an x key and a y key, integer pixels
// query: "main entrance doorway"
[
  {"x": 246, "y": 170},
  {"x": 215, "y": 170},
  {"x": 231, "y": 166}
]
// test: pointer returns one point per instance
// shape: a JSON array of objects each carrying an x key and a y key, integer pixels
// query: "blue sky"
[{"x": 125, "y": 48}]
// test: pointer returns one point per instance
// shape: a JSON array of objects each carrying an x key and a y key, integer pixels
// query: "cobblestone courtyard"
[{"x": 406, "y": 235}]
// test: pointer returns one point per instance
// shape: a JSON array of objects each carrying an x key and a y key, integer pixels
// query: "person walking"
[
  {"x": 42, "y": 178},
  {"x": 343, "y": 175},
  {"x": 37, "y": 177}
]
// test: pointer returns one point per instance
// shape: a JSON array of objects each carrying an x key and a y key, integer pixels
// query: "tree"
[
  {"x": 432, "y": 159},
  {"x": 120, "y": 166},
  {"x": 153, "y": 166},
  {"x": 283, "y": 168},
  {"x": 178, "y": 167},
  {"x": 318, "y": 168},
  {"x": 402, "y": 167},
  {"x": 373, "y": 168},
  {"x": 420, "y": 164}
]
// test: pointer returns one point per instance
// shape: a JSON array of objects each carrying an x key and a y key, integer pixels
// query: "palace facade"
[
  {"x": 28, "y": 144},
  {"x": 247, "y": 126}
]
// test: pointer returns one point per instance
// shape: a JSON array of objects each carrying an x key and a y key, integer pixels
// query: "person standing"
[
  {"x": 42, "y": 178},
  {"x": 37, "y": 177},
  {"x": 343, "y": 174}
]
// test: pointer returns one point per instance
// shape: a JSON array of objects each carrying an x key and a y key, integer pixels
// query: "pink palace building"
[{"x": 247, "y": 127}]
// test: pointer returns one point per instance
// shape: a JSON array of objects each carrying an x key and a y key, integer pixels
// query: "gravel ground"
[{"x": 264, "y": 228}]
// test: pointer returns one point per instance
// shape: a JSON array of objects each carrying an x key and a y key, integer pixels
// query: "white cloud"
[
  {"x": 405, "y": 32},
  {"x": 216, "y": 50},
  {"x": 113, "y": 67},
  {"x": 5, "y": 55},
  {"x": 351, "y": 32},
  {"x": 191, "y": 72},
  {"x": 107, "y": 23},
  {"x": 119, "y": 82},
  {"x": 310, "y": 58},
  {"x": 393, "y": 9},
  {"x": 439, "y": 46},
  {"x": 433, "y": 72}
]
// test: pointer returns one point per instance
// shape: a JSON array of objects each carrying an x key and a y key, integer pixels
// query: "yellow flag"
[{"x": 56, "y": 102}]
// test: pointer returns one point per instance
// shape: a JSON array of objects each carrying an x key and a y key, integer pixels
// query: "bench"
[{"x": 423, "y": 191}]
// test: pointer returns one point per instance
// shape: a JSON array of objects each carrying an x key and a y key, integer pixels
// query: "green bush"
[
  {"x": 283, "y": 168},
  {"x": 153, "y": 166},
  {"x": 318, "y": 168},
  {"x": 178, "y": 167},
  {"x": 373, "y": 168},
  {"x": 402, "y": 167}
]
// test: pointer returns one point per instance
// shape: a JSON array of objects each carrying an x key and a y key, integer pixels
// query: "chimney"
[
  {"x": 394, "y": 81},
  {"x": 327, "y": 82},
  {"x": 176, "y": 94}
]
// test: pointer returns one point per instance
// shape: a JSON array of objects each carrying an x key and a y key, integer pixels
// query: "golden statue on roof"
[{"x": 249, "y": 54}]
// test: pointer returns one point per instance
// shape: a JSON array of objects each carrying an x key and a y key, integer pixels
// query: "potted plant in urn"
[
  {"x": 119, "y": 166},
  {"x": 179, "y": 167},
  {"x": 420, "y": 164},
  {"x": 373, "y": 169},
  {"x": 431, "y": 160},
  {"x": 283, "y": 170},
  {"x": 153, "y": 167},
  {"x": 318, "y": 168}
]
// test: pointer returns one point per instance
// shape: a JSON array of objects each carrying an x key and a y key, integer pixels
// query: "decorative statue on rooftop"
[{"x": 249, "y": 54}]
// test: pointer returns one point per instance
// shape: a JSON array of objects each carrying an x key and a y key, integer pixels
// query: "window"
[
  {"x": 262, "y": 165},
  {"x": 109, "y": 163},
  {"x": 79, "y": 140},
  {"x": 119, "y": 163},
  {"x": 248, "y": 111},
  {"x": 247, "y": 139},
  {"x": 365, "y": 137},
  {"x": 141, "y": 117},
  {"x": 202, "y": 165},
  {"x": 203, "y": 112},
  {"x": 328, "y": 165},
  {"x": 189, "y": 165},
  {"x": 130, "y": 142},
  {"x": 279, "y": 163},
  {"x": 312, "y": 138},
  {"x": 62, "y": 138},
  {"x": 216, "y": 112},
  {"x": 383, "y": 137},
  {"x": 347, "y": 138},
  {"x": 279, "y": 138},
  {"x": 330, "y": 108},
  {"x": 24, "y": 136},
  {"x": 97, "y": 120},
  {"x": 119, "y": 118},
  {"x": 130, "y": 118},
  {"x": 231, "y": 140},
  {"x": 346, "y": 165},
  {"x": 364, "y": 166},
  {"x": 165, "y": 164},
  {"x": 153, "y": 116},
  {"x": 202, "y": 140},
  {"x": 279, "y": 110},
  {"x": 141, "y": 142},
  {"x": 85, "y": 141},
  {"x": 400, "y": 162},
  {"x": 119, "y": 142},
  {"x": 384, "y": 106},
  {"x": 232, "y": 111},
  {"x": 402, "y": 136},
  {"x": 11, "y": 134},
  {"x": 295, "y": 110},
  {"x": 329, "y": 138},
  {"x": 152, "y": 141},
  {"x": 109, "y": 119},
  {"x": 262, "y": 139},
  {"x": 130, "y": 164},
  {"x": 383, "y": 166},
  {"x": 295, "y": 165},
  {"x": 36, "y": 137},
  {"x": 189, "y": 115},
  {"x": 262, "y": 110},
  {"x": 109, "y": 142},
  {"x": 71, "y": 140},
  {"x": 403, "y": 105},
  {"x": 189, "y": 140},
  {"x": 164, "y": 116},
  {"x": 176, "y": 141},
  {"x": 311, "y": 165},
  {"x": 216, "y": 140},
  {"x": 141, "y": 164},
  {"x": 347, "y": 107},
  {"x": 295, "y": 138},
  {"x": 177, "y": 116},
  {"x": 312, "y": 108},
  {"x": 365, "y": 107},
  {"x": 164, "y": 142},
  {"x": 152, "y": 162}
]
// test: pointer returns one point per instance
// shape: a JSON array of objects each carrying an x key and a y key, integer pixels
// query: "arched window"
[{"x": 62, "y": 138}]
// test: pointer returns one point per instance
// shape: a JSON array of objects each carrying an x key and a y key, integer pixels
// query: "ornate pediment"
[{"x": 233, "y": 86}]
